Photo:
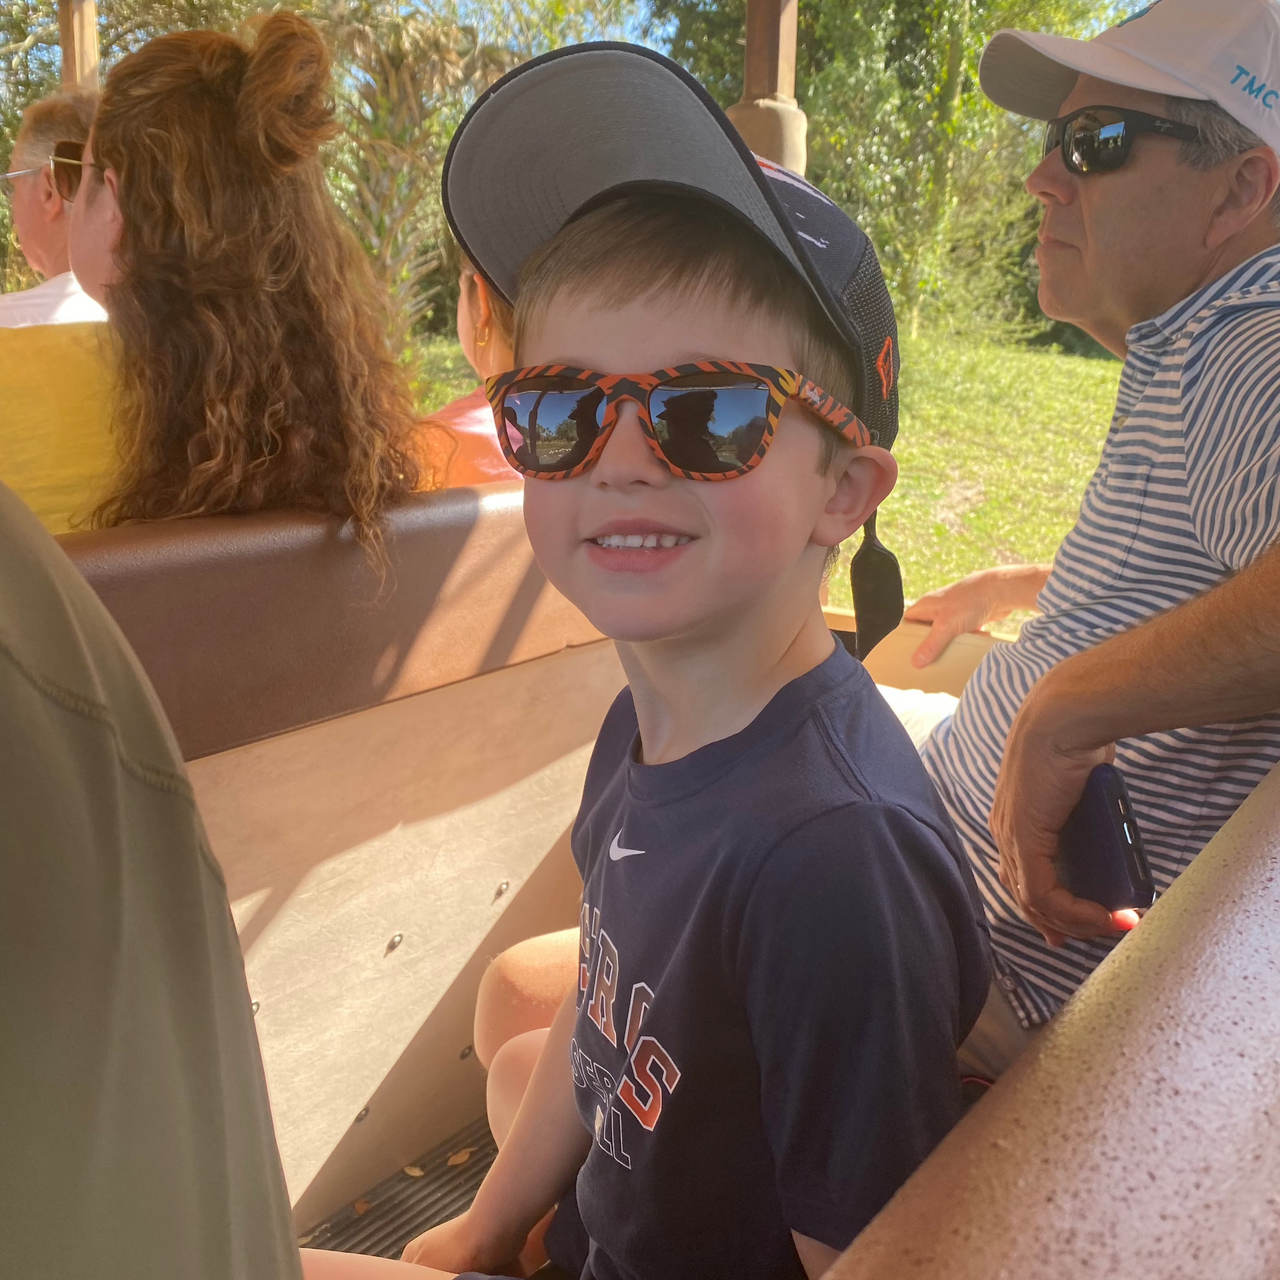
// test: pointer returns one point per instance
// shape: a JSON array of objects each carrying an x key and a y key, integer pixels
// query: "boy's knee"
[{"x": 522, "y": 989}]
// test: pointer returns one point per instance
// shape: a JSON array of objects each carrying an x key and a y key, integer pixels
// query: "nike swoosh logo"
[{"x": 616, "y": 851}]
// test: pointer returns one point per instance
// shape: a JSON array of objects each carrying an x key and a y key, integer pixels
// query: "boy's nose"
[{"x": 627, "y": 457}]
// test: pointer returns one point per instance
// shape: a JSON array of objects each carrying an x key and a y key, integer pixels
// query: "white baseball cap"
[{"x": 1226, "y": 51}]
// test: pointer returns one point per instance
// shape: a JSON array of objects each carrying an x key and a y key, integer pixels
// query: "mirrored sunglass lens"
[
  {"x": 710, "y": 428},
  {"x": 1098, "y": 145},
  {"x": 551, "y": 424}
]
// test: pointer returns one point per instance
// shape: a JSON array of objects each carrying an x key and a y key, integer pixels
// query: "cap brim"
[
  {"x": 1031, "y": 74},
  {"x": 563, "y": 130}
]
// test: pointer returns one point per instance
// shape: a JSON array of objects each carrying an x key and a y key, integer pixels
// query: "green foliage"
[
  {"x": 403, "y": 83},
  {"x": 406, "y": 77},
  {"x": 901, "y": 136},
  {"x": 440, "y": 372},
  {"x": 899, "y": 132},
  {"x": 527, "y": 28},
  {"x": 996, "y": 447}
]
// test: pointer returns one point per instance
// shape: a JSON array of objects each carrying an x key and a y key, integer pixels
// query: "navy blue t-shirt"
[{"x": 781, "y": 948}]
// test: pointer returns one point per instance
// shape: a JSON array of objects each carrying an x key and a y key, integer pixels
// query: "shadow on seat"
[{"x": 387, "y": 770}]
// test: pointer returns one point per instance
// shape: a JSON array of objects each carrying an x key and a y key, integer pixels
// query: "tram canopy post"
[
  {"x": 78, "y": 35},
  {"x": 768, "y": 119}
]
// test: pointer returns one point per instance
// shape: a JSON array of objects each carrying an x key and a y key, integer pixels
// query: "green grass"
[
  {"x": 996, "y": 446},
  {"x": 443, "y": 374}
]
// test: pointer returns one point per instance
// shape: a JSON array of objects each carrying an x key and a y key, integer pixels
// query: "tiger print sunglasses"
[{"x": 713, "y": 420}]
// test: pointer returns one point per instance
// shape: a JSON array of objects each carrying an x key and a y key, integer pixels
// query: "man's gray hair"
[
  {"x": 1222, "y": 136},
  {"x": 61, "y": 117}
]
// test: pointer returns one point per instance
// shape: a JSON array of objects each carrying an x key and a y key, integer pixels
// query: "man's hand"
[
  {"x": 1042, "y": 778},
  {"x": 1214, "y": 659},
  {"x": 458, "y": 1245},
  {"x": 982, "y": 597}
]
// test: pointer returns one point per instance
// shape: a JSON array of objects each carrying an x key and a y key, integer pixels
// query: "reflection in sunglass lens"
[
  {"x": 551, "y": 423},
  {"x": 1096, "y": 145},
  {"x": 710, "y": 423}
]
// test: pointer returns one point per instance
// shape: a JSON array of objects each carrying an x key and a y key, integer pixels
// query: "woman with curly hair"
[{"x": 253, "y": 362}]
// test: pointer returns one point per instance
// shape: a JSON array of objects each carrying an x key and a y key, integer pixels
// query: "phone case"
[{"x": 1100, "y": 856}]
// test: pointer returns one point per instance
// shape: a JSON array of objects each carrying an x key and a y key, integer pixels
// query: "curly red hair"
[{"x": 254, "y": 367}]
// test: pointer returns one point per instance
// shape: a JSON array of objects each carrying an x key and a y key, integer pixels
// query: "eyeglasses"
[
  {"x": 713, "y": 420},
  {"x": 1099, "y": 139},
  {"x": 66, "y": 164}
]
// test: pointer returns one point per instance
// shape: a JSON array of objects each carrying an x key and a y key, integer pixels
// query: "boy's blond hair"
[{"x": 685, "y": 247}]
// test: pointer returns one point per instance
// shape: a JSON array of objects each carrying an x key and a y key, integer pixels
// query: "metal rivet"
[
  {"x": 361, "y": 1114},
  {"x": 255, "y": 1006},
  {"x": 467, "y": 1051},
  {"x": 396, "y": 940},
  {"x": 501, "y": 889}
]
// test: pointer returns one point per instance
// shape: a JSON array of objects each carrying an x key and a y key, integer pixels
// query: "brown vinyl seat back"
[
  {"x": 387, "y": 769},
  {"x": 253, "y": 625}
]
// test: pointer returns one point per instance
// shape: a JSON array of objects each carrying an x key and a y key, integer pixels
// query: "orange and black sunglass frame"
[{"x": 617, "y": 388}]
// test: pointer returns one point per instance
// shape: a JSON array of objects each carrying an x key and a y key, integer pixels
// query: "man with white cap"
[{"x": 1159, "y": 634}]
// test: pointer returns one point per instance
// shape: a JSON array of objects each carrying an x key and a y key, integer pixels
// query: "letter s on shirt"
[{"x": 649, "y": 1057}]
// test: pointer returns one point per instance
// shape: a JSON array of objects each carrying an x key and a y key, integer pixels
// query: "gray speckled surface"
[{"x": 1140, "y": 1135}]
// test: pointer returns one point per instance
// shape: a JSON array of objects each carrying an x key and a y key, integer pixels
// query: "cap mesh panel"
[{"x": 865, "y": 301}]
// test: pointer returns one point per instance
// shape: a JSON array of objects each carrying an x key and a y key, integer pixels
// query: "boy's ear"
[{"x": 864, "y": 479}]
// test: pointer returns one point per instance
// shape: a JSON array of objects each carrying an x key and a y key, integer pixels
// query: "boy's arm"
[{"x": 536, "y": 1165}]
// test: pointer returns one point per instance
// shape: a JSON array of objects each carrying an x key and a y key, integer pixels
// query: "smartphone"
[{"x": 1100, "y": 855}]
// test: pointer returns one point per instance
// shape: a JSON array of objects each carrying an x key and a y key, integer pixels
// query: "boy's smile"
[
  {"x": 648, "y": 555},
  {"x": 636, "y": 546}
]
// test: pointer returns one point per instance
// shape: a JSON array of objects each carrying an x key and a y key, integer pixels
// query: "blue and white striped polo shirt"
[{"x": 1187, "y": 492}]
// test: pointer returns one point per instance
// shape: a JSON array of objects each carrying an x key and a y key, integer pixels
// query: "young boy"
[{"x": 780, "y": 944}]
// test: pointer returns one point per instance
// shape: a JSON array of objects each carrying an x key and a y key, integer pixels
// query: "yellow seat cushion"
[{"x": 56, "y": 448}]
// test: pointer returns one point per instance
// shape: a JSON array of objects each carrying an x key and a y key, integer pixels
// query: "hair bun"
[{"x": 285, "y": 111}]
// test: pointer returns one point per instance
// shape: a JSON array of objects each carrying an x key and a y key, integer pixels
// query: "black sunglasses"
[{"x": 1099, "y": 139}]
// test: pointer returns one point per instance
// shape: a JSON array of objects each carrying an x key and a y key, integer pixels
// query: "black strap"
[{"x": 876, "y": 580}]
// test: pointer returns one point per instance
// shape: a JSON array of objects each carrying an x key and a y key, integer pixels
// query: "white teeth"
[{"x": 645, "y": 540}]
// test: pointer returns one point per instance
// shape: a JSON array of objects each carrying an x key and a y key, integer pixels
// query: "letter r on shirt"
[{"x": 605, "y": 990}]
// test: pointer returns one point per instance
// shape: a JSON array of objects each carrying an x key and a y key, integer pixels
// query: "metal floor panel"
[{"x": 432, "y": 1189}]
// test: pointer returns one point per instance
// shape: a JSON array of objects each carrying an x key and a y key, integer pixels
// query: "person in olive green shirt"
[{"x": 135, "y": 1134}]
